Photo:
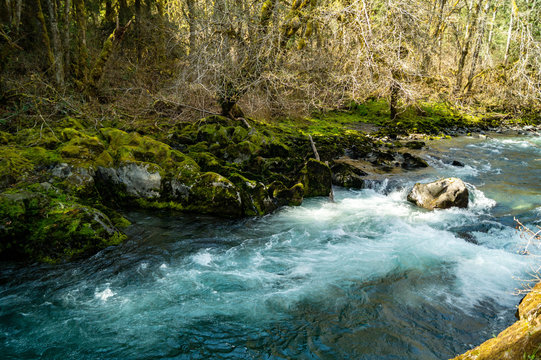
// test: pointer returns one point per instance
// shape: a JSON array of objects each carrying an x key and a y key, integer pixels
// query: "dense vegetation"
[{"x": 182, "y": 59}]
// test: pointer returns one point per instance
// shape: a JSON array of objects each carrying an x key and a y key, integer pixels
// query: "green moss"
[
  {"x": 5, "y": 138},
  {"x": 42, "y": 223},
  {"x": 214, "y": 194},
  {"x": 104, "y": 159},
  {"x": 316, "y": 178},
  {"x": 13, "y": 166},
  {"x": 45, "y": 138}
]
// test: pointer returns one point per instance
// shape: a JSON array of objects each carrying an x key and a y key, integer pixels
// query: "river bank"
[{"x": 69, "y": 180}]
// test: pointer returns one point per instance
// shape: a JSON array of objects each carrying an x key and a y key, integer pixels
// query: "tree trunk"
[
  {"x": 465, "y": 49},
  {"x": 45, "y": 36},
  {"x": 17, "y": 15},
  {"x": 66, "y": 38},
  {"x": 57, "y": 48},
  {"x": 109, "y": 12},
  {"x": 509, "y": 33},
  {"x": 475, "y": 56},
  {"x": 138, "y": 30},
  {"x": 191, "y": 25},
  {"x": 106, "y": 51},
  {"x": 123, "y": 11},
  {"x": 82, "y": 53}
]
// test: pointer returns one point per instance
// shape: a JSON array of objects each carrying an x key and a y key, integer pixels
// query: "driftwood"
[{"x": 314, "y": 149}]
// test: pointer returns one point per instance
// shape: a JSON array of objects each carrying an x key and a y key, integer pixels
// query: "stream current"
[{"x": 370, "y": 276}]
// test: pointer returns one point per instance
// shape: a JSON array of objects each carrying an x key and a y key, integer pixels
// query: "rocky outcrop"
[
  {"x": 41, "y": 223},
  {"x": 347, "y": 175},
  {"x": 522, "y": 340},
  {"x": 316, "y": 178},
  {"x": 441, "y": 194}
]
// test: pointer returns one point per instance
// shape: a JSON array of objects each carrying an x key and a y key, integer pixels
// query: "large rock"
[
  {"x": 139, "y": 180},
  {"x": 347, "y": 175},
  {"x": 522, "y": 340},
  {"x": 41, "y": 223},
  {"x": 441, "y": 194},
  {"x": 316, "y": 178}
]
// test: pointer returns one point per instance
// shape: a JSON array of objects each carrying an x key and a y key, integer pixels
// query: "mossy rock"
[
  {"x": 316, "y": 178},
  {"x": 214, "y": 194},
  {"x": 207, "y": 161},
  {"x": 240, "y": 152},
  {"x": 41, "y": 223},
  {"x": 347, "y": 175},
  {"x": 253, "y": 194},
  {"x": 45, "y": 138},
  {"x": 74, "y": 180},
  {"x": 130, "y": 181},
  {"x": 213, "y": 134},
  {"x": 80, "y": 147},
  {"x": 13, "y": 166}
]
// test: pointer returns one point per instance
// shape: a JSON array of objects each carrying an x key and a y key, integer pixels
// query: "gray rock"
[
  {"x": 441, "y": 194},
  {"x": 140, "y": 180}
]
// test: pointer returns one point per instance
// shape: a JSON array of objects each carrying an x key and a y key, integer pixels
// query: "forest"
[{"x": 269, "y": 59}]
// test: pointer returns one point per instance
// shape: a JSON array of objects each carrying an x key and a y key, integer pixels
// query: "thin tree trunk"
[
  {"x": 17, "y": 15},
  {"x": 138, "y": 30},
  {"x": 491, "y": 31},
  {"x": 57, "y": 48},
  {"x": 82, "y": 54},
  {"x": 465, "y": 50},
  {"x": 45, "y": 35},
  {"x": 123, "y": 11},
  {"x": 191, "y": 25},
  {"x": 475, "y": 56},
  {"x": 509, "y": 33},
  {"x": 66, "y": 38},
  {"x": 109, "y": 13}
]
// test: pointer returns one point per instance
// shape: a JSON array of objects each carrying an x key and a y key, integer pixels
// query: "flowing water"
[{"x": 367, "y": 277}]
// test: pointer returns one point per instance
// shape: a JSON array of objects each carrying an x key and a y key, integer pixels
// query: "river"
[{"x": 368, "y": 277}]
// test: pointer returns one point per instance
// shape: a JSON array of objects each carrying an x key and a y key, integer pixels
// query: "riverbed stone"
[{"x": 440, "y": 194}]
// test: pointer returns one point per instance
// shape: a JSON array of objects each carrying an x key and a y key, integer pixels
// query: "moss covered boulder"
[
  {"x": 347, "y": 175},
  {"x": 316, "y": 178},
  {"x": 522, "y": 340},
  {"x": 214, "y": 194},
  {"x": 40, "y": 223}
]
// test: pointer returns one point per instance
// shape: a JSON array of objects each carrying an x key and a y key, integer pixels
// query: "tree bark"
[
  {"x": 82, "y": 53},
  {"x": 190, "y": 14},
  {"x": 45, "y": 36},
  {"x": 465, "y": 49},
  {"x": 509, "y": 33},
  {"x": 138, "y": 30},
  {"x": 475, "y": 56},
  {"x": 66, "y": 38}
]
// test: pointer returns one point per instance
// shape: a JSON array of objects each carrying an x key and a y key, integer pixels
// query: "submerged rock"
[
  {"x": 441, "y": 194},
  {"x": 522, "y": 340}
]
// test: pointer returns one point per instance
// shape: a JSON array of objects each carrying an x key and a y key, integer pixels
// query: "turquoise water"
[{"x": 367, "y": 277}]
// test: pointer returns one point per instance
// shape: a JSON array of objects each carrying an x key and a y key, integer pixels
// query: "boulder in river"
[{"x": 441, "y": 194}]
